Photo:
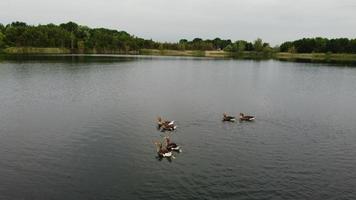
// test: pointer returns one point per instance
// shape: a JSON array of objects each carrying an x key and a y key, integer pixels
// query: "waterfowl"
[
  {"x": 246, "y": 117},
  {"x": 165, "y": 125},
  {"x": 170, "y": 127},
  {"x": 227, "y": 118},
  {"x": 163, "y": 152},
  {"x": 161, "y": 122},
  {"x": 172, "y": 146}
]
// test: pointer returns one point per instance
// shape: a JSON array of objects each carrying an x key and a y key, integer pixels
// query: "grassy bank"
[
  {"x": 157, "y": 52},
  {"x": 312, "y": 57},
  {"x": 316, "y": 57},
  {"x": 211, "y": 54},
  {"x": 33, "y": 50},
  {"x": 37, "y": 50}
]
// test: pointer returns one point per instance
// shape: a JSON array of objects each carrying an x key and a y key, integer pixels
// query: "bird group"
[
  {"x": 242, "y": 117},
  {"x": 166, "y": 148}
]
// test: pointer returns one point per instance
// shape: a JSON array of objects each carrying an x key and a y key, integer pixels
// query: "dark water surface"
[{"x": 83, "y": 128}]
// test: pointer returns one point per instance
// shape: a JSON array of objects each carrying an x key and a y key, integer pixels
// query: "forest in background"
[{"x": 82, "y": 39}]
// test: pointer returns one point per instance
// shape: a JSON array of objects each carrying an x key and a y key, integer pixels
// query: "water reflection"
[
  {"x": 331, "y": 62},
  {"x": 66, "y": 58},
  {"x": 107, "y": 58}
]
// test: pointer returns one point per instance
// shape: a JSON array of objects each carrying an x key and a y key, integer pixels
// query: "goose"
[
  {"x": 227, "y": 118},
  {"x": 163, "y": 152},
  {"x": 170, "y": 127},
  {"x": 246, "y": 117},
  {"x": 161, "y": 122},
  {"x": 172, "y": 146}
]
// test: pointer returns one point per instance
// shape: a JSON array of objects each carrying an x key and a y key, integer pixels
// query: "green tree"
[
  {"x": 72, "y": 28},
  {"x": 183, "y": 41},
  {"x": 258, "y": 45},
  {"x": 240, "y": 46},
  {"x": 2, "y": 40},
  {"x": 18, "y": 24},
  {"x": 352, "y": 46},
  {"x": 217, "y": 43},
  {"x": 320, "y": 44},
  {"x": 2, "y": 28},
  {"x": 228, "y": 48},
  {"x": 197, "y": 40},
  {"x": 286, "y": 46}
]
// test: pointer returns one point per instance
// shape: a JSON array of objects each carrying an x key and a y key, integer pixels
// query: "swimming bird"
[
  {"x": 227, "y": 118},
  {"x": 163, "y": 152},
  {"x": 170, "y": 127},
  {"x": 172, "y": 146},
  {"x": 246, "y": 117},
  {"x": 165, "y": 125},
  {"x": 161, "y": 122}
]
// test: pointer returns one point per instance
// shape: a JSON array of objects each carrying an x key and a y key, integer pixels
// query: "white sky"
[{"x": 274, "y": 21}]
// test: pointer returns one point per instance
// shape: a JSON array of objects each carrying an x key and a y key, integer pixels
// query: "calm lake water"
[{"x": 83, "y": 128}]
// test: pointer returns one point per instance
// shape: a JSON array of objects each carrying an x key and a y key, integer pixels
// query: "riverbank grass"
[
  {"x": 35, "y": 50},
  {"x": 316, "y": 56},
  {"x": 319, "y": 57}
]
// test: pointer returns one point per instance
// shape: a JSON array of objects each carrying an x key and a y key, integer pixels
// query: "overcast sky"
[{"x": 274, "y": 21}]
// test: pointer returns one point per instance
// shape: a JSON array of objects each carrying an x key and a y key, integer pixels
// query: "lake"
[{"x": 82, "y": 128}]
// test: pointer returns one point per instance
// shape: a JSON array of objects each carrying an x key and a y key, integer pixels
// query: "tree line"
[
  {"x": 320, "y": 45},
  {"x": 84, "y": 39},
  {"x": 69, "y": 35}
]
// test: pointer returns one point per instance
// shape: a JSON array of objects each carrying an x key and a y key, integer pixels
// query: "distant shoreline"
[{"x": 317, "y": 57}]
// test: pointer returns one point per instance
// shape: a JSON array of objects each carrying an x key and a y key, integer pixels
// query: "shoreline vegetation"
[
  {"x": 19, "y": 38},
  {"x": 284, "y": 56}
]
